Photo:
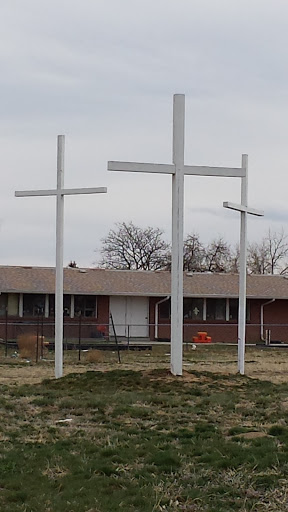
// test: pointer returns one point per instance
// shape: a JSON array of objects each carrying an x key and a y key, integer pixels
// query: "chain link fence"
[{"x": 90, "y": 334}]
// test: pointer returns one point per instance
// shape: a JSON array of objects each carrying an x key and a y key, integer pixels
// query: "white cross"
[
  {"x": 60, "y": 192},
  {"x": 178, "y": 170},
  {"x": 244, "y": 210}
]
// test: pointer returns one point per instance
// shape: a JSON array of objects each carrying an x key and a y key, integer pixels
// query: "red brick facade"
[
  {"x": 275, "y": 317},
  {"x": 27, "y": 290}
]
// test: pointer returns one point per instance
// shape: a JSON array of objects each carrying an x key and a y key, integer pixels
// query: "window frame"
[
  {"x": 85, "y": 308},
  {"x": 34, "y": 310},
  {"x": 188, "y": 309},
  {"x": 212, "y": 313}
]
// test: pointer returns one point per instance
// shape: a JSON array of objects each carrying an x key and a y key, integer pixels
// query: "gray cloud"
[{"x": 104, "y": 74}]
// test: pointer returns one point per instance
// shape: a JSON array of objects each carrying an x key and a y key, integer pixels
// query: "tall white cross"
[
  {"x": 60, "y": 192},
  {"x": 244, "y": 210},
  {"x": 178, "y": 170}
]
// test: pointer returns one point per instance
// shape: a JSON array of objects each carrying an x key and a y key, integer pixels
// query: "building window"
[
  {"x": 33, "y": 304},
  {"x": 3, "y": 303},
  {"x": 216, "y": 309},
  {"x": 193, "y": 309},
  {"x": 85, "y": 305},
  {"x": 66, "y": 305},
  {"x": 165, "y": 309},
  {"x": 233, "y": 309}
]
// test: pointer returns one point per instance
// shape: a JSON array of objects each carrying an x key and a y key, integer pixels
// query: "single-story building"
[{"x": 139, "y": 302}]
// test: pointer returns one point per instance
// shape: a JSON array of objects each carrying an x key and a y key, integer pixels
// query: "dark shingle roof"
[{"x": 129, "y": 282}]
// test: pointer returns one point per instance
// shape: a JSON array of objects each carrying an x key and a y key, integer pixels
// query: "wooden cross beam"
[
  {"x": 59, "y": 192},
  {"x": 178, "y": 170},
  {"x": 244, "y": 211}
]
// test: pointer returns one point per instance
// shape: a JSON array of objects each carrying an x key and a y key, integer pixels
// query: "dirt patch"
[
  {"x": 252, "y": 435},
  {"x": 168, "y": 377},
  {"x": 18, "y": 374}
]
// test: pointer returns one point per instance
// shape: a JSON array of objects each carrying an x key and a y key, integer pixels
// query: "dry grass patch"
[
  {"x": 269, "y": 365},
  {"x": 94, "y": 356},
  {"x": 31, "y": 346}
]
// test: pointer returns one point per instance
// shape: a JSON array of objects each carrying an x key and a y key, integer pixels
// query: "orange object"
[
  {"x": 202, "y": 338},
  {"x": 101, "y": 329}
]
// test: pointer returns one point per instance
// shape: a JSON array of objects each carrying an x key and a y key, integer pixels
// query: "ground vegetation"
[{"x": 104, "y": 441}]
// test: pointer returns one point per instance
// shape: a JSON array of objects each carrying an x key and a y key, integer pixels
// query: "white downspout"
[
  {"x": 157, "y": 315},
  {"x": 262, "y": 318}
]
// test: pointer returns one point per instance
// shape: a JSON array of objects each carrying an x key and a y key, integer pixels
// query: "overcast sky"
[{"x": 103, "y": 72}]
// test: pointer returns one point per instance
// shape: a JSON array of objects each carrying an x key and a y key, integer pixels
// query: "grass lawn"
[{"x": 105, "y": 441}]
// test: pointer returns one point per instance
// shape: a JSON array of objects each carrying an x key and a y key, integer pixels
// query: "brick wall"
[
  {"x": 275, "y": 319},
  {"x": 28, "y": 325}
]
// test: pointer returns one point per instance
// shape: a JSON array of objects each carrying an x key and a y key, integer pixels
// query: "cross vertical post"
[
  {"x": 244, "y": 210},
  {"x": 177, "y": 234},
  {"x": 178, "y": 170},
  {"x": 242, "y": 269},
  {"x": 59, "y": 258},
  {"x": 60, "y": 192}
]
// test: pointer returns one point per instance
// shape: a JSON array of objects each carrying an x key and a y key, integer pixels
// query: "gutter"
[
  {"x": 262, "y": 318},
  {"x": 157, "y": 315}
]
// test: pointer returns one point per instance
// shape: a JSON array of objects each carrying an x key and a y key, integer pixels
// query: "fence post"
[
  {"x": 79, "y": 337},
  {"x": 115, "y": 336},
  {"x": 42, "y": 333},
  {"x": 6, "y": 331},
  {"x": 37, "y": 336}
]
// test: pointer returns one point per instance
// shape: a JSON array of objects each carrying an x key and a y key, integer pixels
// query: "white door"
[
  {"x": 118, "y": 311},
  {"x": 137, "y": 316},
  {"x": 130, "y": 316}
]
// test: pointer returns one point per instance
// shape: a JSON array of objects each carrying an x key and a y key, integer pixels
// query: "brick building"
[{"x": 140, "y": 304}]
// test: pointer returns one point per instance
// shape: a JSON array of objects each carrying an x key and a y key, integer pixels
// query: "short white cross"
[
  {"x": 178, "y": 170},
  {"x": 244, "y": 210},
  {"x": 60, "y": 192}
]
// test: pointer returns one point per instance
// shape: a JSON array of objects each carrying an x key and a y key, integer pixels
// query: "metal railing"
[
  {"x": 80, "y": 331},
  {"x": 82, "y": 334}
]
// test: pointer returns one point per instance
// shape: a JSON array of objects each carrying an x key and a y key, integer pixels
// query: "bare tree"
[
  {"x": 278, "y": 250},
  {"x": 270, "y": 255},
  {"x": 133, "y": 248},
  {"x": 234, "y": 259},
  {"x": 218, "y": 256},
  {"x": 258, "y": 258},
  {"x": 193, "y": 254}
]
